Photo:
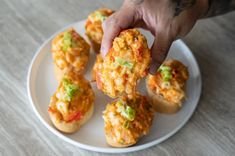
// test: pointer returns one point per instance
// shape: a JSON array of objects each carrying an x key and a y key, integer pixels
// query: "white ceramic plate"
[{"x": 42, "y": 84}]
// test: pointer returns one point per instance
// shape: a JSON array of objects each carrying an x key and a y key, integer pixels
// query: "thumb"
[
  {"x": 159, "y": 50},
  {"x": 120, "y": 20}
]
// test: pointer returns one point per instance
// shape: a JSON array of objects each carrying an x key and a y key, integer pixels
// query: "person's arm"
[
  {"x": 167, "y": 20},
  {"x": 217, "y": 7}
]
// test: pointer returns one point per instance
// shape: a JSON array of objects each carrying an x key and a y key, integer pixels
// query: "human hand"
[{"x": 162, "y": 18}]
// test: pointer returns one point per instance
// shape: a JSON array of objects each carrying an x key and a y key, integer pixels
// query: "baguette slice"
[
  {"x": 166, "y": 89},
  {"x": 72, "y": 104},
  {"x": 113, "y": 143},
  {"x": 71, "y": 127},
  {"x": 127, "y": 119},
  {"x": 161, "y": 105}
]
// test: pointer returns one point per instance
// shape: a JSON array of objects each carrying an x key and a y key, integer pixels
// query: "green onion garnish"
[
  {"x": 100, "y": 16},
  {"x": 165, "y": 72},
  {"x": 126, "y": 112},
  {"x": 70, "y": 89},
  {"x": 67, "y": 41},
  {"x": 121, "y": 62}
]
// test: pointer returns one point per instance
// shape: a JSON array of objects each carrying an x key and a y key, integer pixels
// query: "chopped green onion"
[
  {"x": 166, "y": 75},
  {"x": 127, "y": 112},
  {"x": 100, "y": 16},
  {"x": 70, "y": 89},
  {"x": 119, "y": 61},
  {"x": 67, "y": 41},
  {"x": 164, "y": 68},
  {"x": 165, "y": 72}
]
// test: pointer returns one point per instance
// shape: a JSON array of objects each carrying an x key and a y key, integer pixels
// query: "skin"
[
  {"x": 217, "y": 7},
  {"x": 162, "y": 19}
]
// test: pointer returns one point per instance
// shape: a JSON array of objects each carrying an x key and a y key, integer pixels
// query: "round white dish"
[{"x": 42, "y": 84}]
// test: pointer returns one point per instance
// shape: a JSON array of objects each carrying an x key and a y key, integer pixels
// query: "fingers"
[
  {"x": 159, "y": 50},
  {"x": 120, "y": 20}
]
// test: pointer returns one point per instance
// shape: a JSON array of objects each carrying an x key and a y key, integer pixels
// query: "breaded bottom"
[
  {"x": 127, "y": 61},
  {"x": 127, "y": 119}
]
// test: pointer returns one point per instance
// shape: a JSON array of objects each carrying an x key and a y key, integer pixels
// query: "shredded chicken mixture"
[
  {"x": 69, "y": 49},
  {"x": 94, "y": 24},
  {"x": 72, "y": 99},
  {"x": 126, "y": 62},
  {"x": 128, "y": 119},
  {"x": 170, "y": 80}
]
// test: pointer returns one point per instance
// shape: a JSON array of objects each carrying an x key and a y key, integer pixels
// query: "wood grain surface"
[{"x": 25, "y": 24}]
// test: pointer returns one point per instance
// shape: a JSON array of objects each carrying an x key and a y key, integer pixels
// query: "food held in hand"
[
  {"x": 72, "y": 104},
  {"x": 69, "y": 50},
  {"x": 127, "y": 120},
  {"x": 167, "y": 87},
  {"x": 94, "y": 29},
  {"x": 127, "y": 61}
]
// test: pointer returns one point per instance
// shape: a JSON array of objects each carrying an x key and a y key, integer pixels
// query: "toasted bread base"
[
  {"x": 112, "y": 143},
  {"x": 71, "y": 127},
  {"x": 161, "y": 105}
]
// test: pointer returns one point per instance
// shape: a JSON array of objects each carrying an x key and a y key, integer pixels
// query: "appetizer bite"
[
  {"x": 72, "y": 104},
  {"x": 127, "y": 120},
  {"x": 127, "y": 61},
  {"x": 94, "y": 29},
  {"x": 69, "y": 50},
  {"x": 167, "y": 87}
]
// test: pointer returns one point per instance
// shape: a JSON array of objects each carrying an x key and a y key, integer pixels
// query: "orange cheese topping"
[
  {"x": 122, "y": 129},
  {"x": 81, "y": 98},
  {"x": 173, "y": 89},
  {"x": 126, "y": 62},
  {"x": 69, "y": 49},
  {"x": 93, "y": 25}
]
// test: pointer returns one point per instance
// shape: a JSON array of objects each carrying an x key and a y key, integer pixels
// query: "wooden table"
[{"x": 24, "y": 25}]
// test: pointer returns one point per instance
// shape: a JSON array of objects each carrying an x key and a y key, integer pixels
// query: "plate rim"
[{"x": 104, "y": 149}]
